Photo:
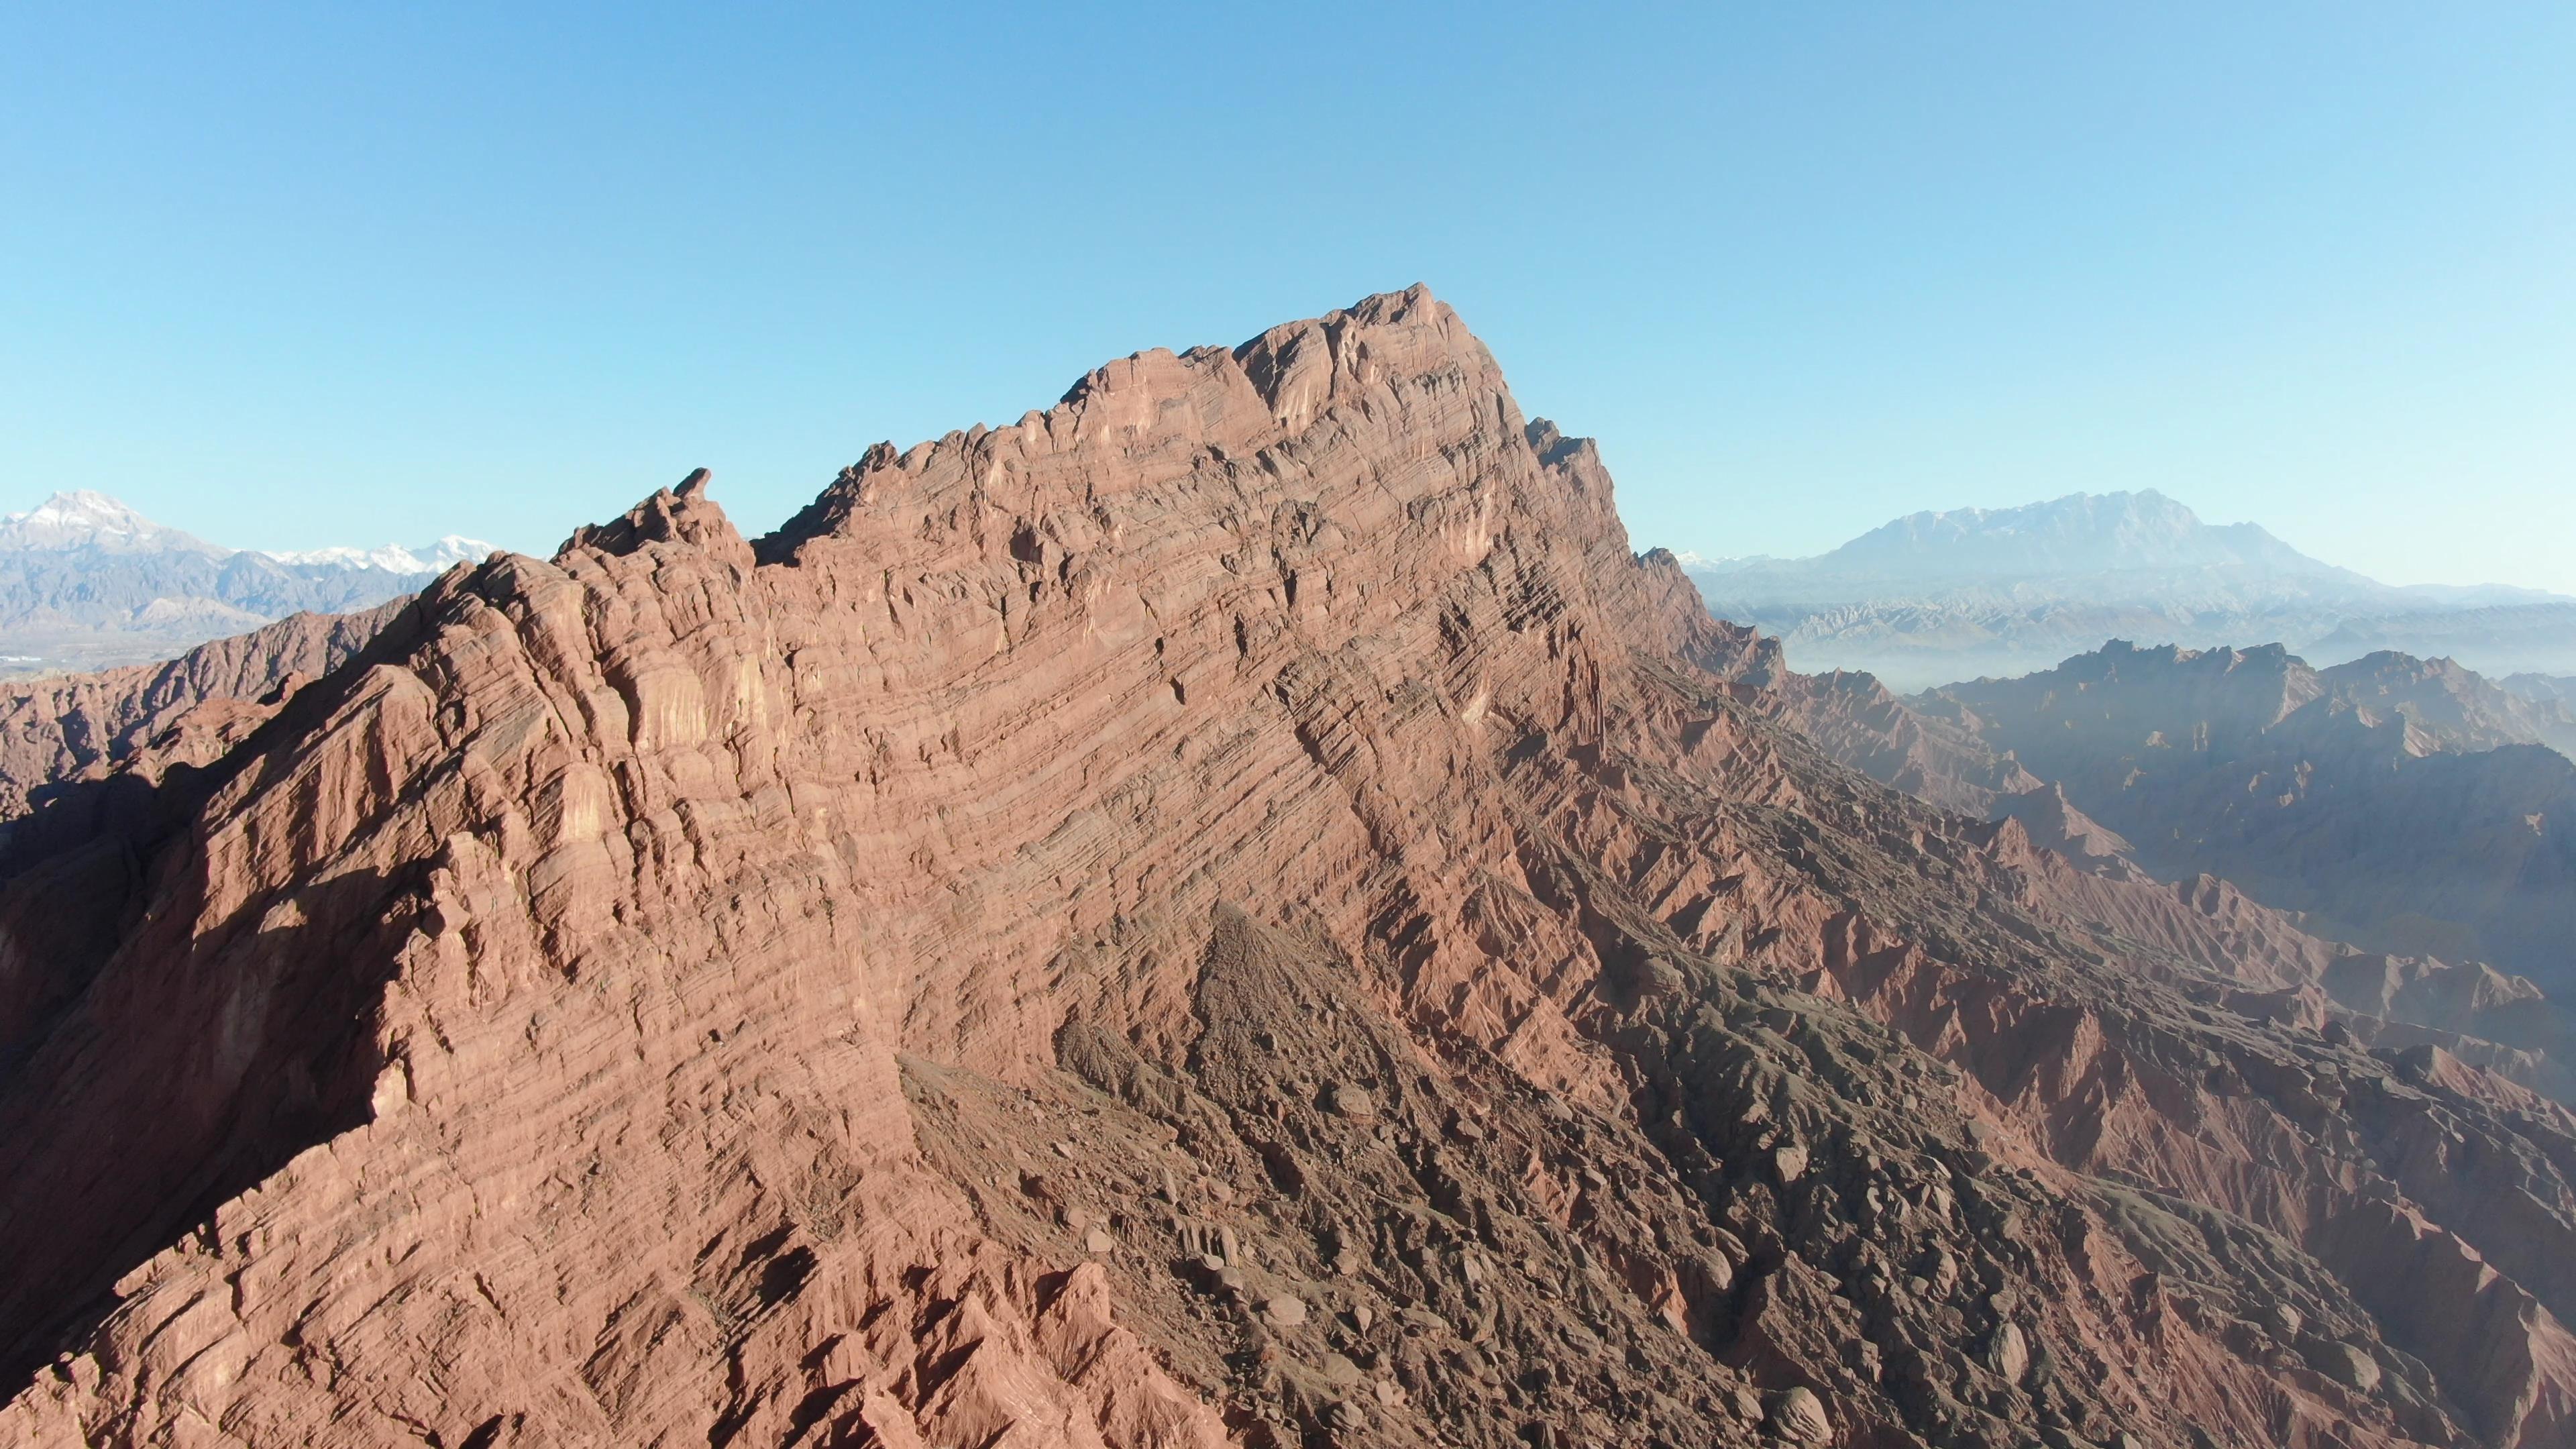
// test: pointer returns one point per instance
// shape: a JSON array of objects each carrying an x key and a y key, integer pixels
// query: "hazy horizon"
[{"x": 367, "y": 277}]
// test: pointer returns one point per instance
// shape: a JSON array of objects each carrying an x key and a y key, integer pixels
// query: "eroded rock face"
[{"x": 1231, "y": 909}]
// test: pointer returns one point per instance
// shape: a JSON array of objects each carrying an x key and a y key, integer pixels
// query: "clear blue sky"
[{"x": 294, "y": 276}]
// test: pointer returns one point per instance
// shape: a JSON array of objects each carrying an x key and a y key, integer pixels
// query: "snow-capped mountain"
[
  {"x": 2080, "y": 533},
  {"x": 428, "y": 558},
  {"x": 82, "y": 519},
  {"x": 87, "y": 581}
]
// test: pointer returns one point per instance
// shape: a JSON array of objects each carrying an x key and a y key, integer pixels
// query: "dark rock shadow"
[{"x": 148, "y": 1071}]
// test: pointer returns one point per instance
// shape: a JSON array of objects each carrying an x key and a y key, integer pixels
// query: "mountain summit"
[
  {"x": 2081, "y": 533},
  {"x": 83, "y": 519}
]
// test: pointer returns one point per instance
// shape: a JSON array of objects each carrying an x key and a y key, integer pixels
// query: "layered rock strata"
[{"x": 1232, "y": 909}]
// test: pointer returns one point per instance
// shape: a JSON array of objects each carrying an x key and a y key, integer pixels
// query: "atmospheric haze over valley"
[
  {"x": 1935, "y": 597},
  {"x": 1228, "y": 886}
]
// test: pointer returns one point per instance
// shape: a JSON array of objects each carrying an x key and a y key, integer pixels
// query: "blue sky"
[{"x": 288, "y": 276}]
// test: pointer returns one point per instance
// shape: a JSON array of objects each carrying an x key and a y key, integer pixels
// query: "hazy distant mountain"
[
  {"x": 2543, "y": 687},
  {"x": 87, "y": 582},
  {"x": 2536, "y": 638},
  {"x": 2082, "y": 533},
  {"x": 1974, "y": 591}
]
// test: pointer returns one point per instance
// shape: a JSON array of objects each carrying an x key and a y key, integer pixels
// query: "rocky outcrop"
[{"x": 1231, "y": 909}]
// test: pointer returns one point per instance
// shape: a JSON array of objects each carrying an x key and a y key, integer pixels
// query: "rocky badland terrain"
[
  {"x": 1234, "y": 909},
  {"x": 1935, "y": 749},
  {"x": 143, "y": 718},
  {"x": 2403, "y": 804}
]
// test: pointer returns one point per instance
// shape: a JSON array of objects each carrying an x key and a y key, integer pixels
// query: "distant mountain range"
[
  {"x": 1941, "y": 596},
  {"x": 2401, "y": 804},
  {"x": 2407, "y": 807},
  {"x": 86, "y": 582}
]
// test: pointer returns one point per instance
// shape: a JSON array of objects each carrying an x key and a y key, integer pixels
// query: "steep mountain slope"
[
  {"x": 87, "y": 582},
  {"x": 1234, "y": 908},
  {"x": 2385, "y": 798},
  {"x": 1974, "y": 591}
]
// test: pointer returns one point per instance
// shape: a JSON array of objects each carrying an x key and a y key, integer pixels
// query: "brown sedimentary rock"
[{"x": 1256, "y": 815}]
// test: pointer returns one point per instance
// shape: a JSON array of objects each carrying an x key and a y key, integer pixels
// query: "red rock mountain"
[{"x": 1232, "y": 909}]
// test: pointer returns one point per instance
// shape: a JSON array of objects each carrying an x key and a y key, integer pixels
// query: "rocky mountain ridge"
[{"x": 1233, "y": 909}]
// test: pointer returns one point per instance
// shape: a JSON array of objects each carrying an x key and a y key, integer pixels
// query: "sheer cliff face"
[{"x": 1234, "y": 908}]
